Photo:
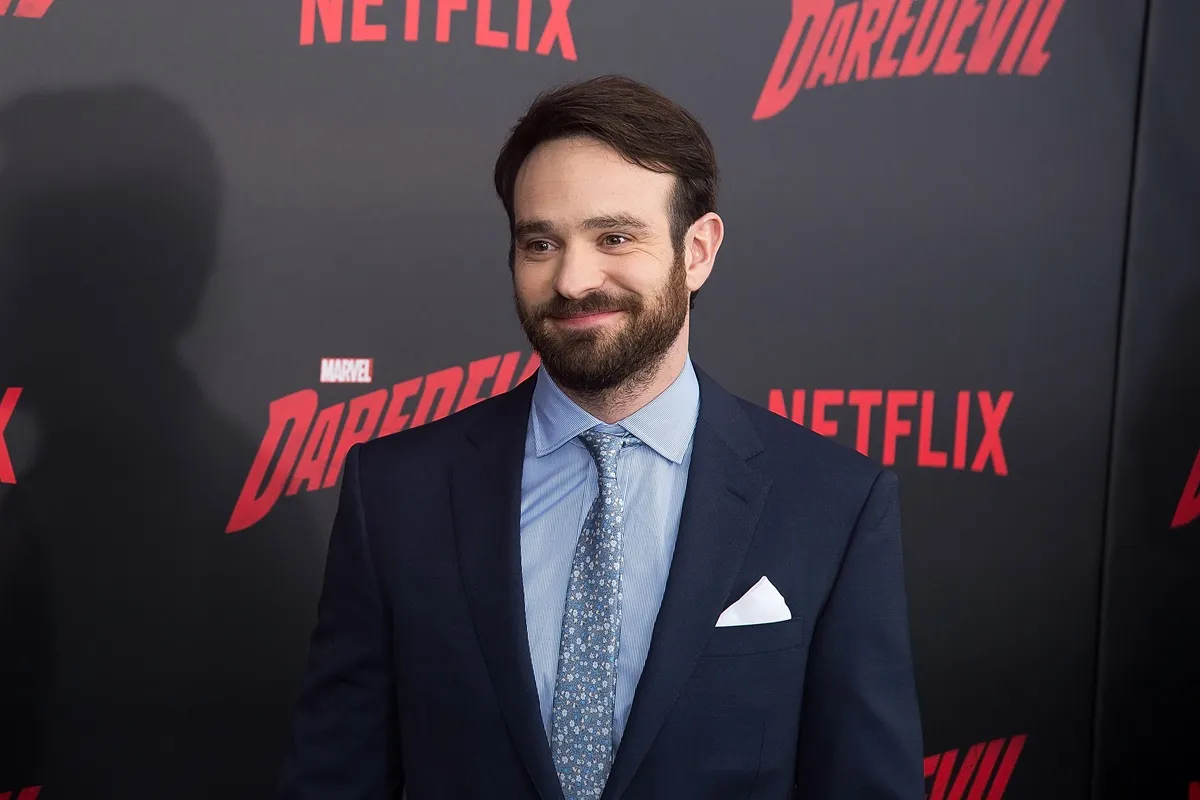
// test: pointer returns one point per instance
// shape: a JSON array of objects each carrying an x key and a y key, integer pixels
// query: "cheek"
[
  {"x": 645, "y": 277},
  {"x": 533, "y": 285}
]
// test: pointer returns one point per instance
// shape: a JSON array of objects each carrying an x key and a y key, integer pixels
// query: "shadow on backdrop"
[
  {"x": 1150, "y": 679},
  {"x": 1150, "y": 673},
  {"x": 146, "y": 653}
]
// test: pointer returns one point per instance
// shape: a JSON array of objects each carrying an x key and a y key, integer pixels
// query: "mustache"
[{"x": 594, "y": 303}]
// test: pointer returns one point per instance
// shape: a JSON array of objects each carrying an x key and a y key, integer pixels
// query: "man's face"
[{"x": 601, "y": 292}]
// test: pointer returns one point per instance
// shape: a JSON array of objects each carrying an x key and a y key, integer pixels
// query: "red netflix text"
[
  {"x": 30, "y": 793},
  {"x": 1187, "y": 511},
  {"x": 508, "y": 25},
  {"x": 1193, "y": 791},
  {"x": 32, "y": 9},
  {"x": 8, "y": 404},
  {"x": 950, "y": 777},
  {"x": 903, "y": 409},
  {"x": 879, "y": 39},
  {"x": 311, "y": 454}
]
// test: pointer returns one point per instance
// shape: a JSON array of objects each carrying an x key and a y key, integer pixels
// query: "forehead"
[{"x": 574, "y": 178}]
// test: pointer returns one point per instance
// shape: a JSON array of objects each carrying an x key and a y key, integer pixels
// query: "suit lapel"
[
  {"x": 721, "y": 507},
  {"x": 485, "y": 494}
]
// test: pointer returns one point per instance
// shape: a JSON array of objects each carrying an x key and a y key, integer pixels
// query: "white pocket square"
[{"x": 762, "y": 604}]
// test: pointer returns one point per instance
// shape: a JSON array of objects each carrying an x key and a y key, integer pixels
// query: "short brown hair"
[{"x": 641, "y": 124}]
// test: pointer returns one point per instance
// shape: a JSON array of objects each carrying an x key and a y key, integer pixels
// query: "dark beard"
[{"x": 597, "y": 364}]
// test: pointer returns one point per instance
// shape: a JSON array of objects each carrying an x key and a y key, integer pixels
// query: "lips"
[
  {"x": 583, "y": 319},
  {"x": 586, "y": 315}
]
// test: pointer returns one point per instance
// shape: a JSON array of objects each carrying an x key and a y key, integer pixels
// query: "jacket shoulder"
[
  {"x": 806, "y": 464},
  {"x": 790, "y": 446},
  {"x": 440, "y": 437}
]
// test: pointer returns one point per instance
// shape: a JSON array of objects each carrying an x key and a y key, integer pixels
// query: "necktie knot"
[{"x": 605, "y": 447}]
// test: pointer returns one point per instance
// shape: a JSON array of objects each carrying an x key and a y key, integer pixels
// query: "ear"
[{"x": 700, "y": 247}]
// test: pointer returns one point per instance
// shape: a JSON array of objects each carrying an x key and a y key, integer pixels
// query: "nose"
[{"x": 579, "y": 272}]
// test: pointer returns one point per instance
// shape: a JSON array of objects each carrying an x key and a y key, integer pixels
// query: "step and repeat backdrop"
[{"x": 237, "y": 238}]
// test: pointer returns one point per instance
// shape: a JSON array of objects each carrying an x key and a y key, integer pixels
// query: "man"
[{"x": 616, "y": 580}]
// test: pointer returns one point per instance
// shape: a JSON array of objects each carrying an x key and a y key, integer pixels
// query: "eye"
[
  {"x": 538, "y": 246},
  {"x": 615, "y": 239}
]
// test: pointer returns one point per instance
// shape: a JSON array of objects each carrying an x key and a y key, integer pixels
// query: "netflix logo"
[
  {"x": 347, "y": 370},
  {"x": 880, "y": 39},
  {"x": 840, "y": 413},
  {"x": 30, "y": 9},
  {"x": 985, "y": 767},
  {"x": 506, "y": 25},
  {"x": 1193, "y": 791},
  {"x": 8, "y": 404},
  {"x": 308, "y": 447},
  {"x": 1186, "y": 512}
]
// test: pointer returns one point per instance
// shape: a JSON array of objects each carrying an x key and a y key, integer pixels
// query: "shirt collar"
[{"x": 665, "y": 424}]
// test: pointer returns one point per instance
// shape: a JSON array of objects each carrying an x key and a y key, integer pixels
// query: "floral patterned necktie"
[{"x": 581, "y": 738}]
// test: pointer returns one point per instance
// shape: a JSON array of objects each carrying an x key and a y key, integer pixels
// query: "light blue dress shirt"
[{"x": 558, "y": 485}]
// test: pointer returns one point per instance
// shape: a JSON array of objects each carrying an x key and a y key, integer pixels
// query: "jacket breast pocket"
[{"x": 748, "y": 640}]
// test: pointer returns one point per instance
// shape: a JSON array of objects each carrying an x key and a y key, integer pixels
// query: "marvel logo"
[{"x": 347, "y": 370}]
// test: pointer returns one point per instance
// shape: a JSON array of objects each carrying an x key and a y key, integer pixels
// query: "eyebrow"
[{"x": 529, "y": 227}]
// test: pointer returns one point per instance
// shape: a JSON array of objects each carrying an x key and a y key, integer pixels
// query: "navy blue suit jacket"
[{"x": 420, "y": 676}]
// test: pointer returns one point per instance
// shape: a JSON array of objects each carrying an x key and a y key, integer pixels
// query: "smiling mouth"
[{"x": 581, "y": 319}]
